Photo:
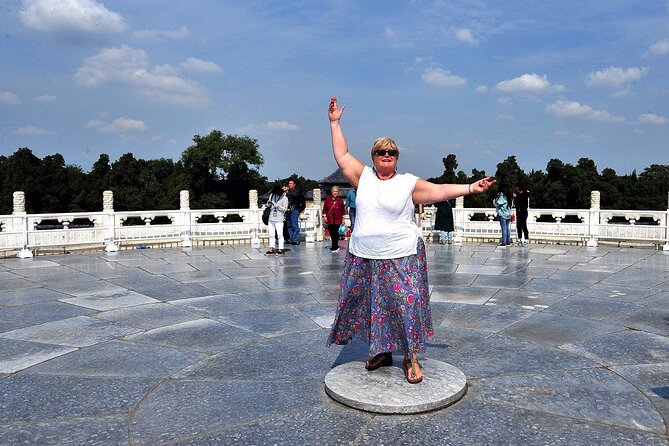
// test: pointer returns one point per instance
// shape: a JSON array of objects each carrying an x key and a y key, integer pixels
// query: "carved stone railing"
[{"x": 109, "y": 230}]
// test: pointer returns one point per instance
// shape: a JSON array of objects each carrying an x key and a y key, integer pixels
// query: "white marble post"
[
  {"x": 320, "y": 232},
  {"x": 666, "y": 225},
  {"x": 19, "y": 203},
  {"x": 255, "y": 218},
  {"x": 184, "y": 207},
  {"x": 594, "y": 219},
  {"x": 459, "y": 220},
  {"x": 109, "y": 221}
]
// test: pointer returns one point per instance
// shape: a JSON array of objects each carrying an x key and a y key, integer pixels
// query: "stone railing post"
[
  {"x": 184, "y": 215},
  {"x": 255, "y": 219},
  {"x": 594, "y": 219},
  {"x": 109, "y": 221},
  {"x": 320, "y": 230},
  {"x": 19, "y": 209},
  {"x": 459, "y": 220},
  {"x": 666, "y": 227}
]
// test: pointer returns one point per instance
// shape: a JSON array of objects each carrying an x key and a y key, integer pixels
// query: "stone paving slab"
[
  {"x": 149, "y": 316},
  {"x": 201, "y": 335},
  {"x": 111, "y": 300},
  {"x": 100, "y": 431},
  {"x": 78, "y": 331},
  {"x": 574, "y": 393},
  {"x": 556, "y": 329},
  {"x": 17, "y": 355},
  {"x": 623, "y": 348},
  {"x": 66, "y": 397},
  {"x": 42, "y": 312},
  {"x": 120, "y": 358}
]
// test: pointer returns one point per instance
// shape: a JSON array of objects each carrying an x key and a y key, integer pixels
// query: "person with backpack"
[
  {"x": 278, "y": 202},
  {"x": 297, "y": 205},
  {"x": 503, "y": 209}
]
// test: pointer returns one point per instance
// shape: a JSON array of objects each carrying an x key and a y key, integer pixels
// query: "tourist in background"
[
  {"x": 384, "y": 294},
  {"x": 350, "y": 207},
  {"x": 521, "y": 201},
  {"x": 443, "y": 221},
  {"x": 503, "y": 209},
  {"x": 296, "y": 202},
  {"x": 333, "y": 216},
  {"x": 279, "y": 204}
]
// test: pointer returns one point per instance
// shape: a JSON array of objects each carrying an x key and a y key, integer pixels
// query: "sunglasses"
[{"x": 383, "y": 152}]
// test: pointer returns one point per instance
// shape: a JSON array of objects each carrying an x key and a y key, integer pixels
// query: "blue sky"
[{"x": 481, "y": 79}]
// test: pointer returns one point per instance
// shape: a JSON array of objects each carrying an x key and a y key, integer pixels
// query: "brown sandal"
[
  {"x": 380, "y": 360},
  {"x": 409, "y": 366}
]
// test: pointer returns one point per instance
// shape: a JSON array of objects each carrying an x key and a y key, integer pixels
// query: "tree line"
[
  {"x": 220, "y": 169},
  {"x": 566, "y": 186}
]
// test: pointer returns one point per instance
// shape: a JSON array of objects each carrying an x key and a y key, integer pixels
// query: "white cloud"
[
  {"x": 94, "y": 123},
  {"x": 442, "y": 78},
  {"x": 31, "y": 130},
  {"x": 528, "y": 83},
  {"x": 154, "y": 34},
  {"x": 71, "y": 17},
  {"x": 504, "y": 100},
  {"x": 124, "y": 125},
  {"x": 281, "y": 125},
  {"x": 659, "y": 48},
  {"x": 390, "y": 33},
  {"x": 130, "y": 67},
  {"x": 465, "y": 35},
  {"x": 650, "y": 118},
  {"x": 8, "y": 98},
  {"x": 572, "y": 109},
  {"x": 46, "y": 98},
  {"x": 481, "y": 89},
  {"x": 200, "y": 66},
  {"x": 615, "y": 77}
]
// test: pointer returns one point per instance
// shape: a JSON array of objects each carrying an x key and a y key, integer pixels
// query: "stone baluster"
[
  {"x": 19, "y": 209},
  {"x": 109, "y": 221},
  {"x": 320, "y": 232},
  {"x": 459, "y": 219},
  {"x": 255, "y": 218},
  {"x": 185, "y": 217},
  {"x": 594, "y": 218}
]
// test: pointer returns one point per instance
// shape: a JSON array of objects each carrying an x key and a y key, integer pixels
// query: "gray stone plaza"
[{"x": 560, "y": 345}]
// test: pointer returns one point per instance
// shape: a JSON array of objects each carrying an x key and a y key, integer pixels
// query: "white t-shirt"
[{"x": 384, "y": 221}]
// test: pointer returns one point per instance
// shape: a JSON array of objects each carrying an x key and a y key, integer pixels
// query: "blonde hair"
[{"x": 384, "y": 143}]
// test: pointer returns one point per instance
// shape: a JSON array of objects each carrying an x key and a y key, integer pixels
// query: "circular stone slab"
[{"x": 386, "y": 390}]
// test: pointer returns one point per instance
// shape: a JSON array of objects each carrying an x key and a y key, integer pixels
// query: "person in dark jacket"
[
  {"x": 521, "y": 200},
  {"x": 333, "y": 215},
  {"x": 444, "y": 221}
]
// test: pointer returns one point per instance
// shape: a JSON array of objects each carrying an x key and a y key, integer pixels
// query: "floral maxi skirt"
[{"x": 385, "y": 302}]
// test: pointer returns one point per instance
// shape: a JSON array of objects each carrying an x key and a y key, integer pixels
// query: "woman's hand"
[
  {"x": 482, "y": 185},
  {"x": 334, "y": 113}
]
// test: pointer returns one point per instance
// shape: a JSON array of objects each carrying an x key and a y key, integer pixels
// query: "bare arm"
[
  {"x": 350, "y": 166},
  {"x": 428, "y": 193}
]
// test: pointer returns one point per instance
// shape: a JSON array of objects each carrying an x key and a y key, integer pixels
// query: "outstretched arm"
[
  {"x": 428, "y": 193},
  {"x": 350, "y": 166}
]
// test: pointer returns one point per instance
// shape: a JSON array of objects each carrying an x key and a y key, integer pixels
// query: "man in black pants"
[{"x": 521, "y": 200}]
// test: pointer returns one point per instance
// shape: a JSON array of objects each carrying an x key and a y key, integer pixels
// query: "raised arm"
[
  {"x": 428, "y": 193},
  {"x": 350, "y": 166}
]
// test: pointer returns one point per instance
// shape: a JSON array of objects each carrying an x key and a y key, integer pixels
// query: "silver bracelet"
[{"x": 469, "y": 188}]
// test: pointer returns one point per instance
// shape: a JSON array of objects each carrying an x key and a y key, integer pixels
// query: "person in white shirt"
[{"x": 384, "y": 295}]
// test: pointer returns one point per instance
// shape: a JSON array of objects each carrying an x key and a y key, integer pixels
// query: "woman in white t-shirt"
[{"x": 384, "y": 295}]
